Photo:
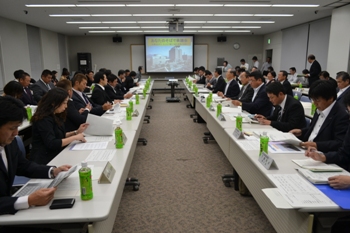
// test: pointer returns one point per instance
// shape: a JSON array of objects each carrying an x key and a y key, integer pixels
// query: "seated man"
[
  {"x": 80, "y": 100},
  {"x": 324, "y": 75},
  {"x": 201, "y": 80},
  {"x": 260, "y": 103},
  {"x": 288, "y": 113},
  {"x": 220, "y": 83},
  {"x": 43, "y": 85},
  {"x": 111, "y": 90},
  {"x": 13, "y": 162},
  {"x": 99, "y": 95},
  {"x": 328, "y": 126},
  {"x": 232, "y": 88},
  {"x": 120, "y": 87},
  {"x": 293, "y": 76},
  {"x": 210, "y": 80},
  {"x": 247, "y": 92},
  {"x": 27, "y": 97},
  {"x": 129, "y": 81},
  {"x": 282, "y": 78},
  {"x": 343, "y": 80}
]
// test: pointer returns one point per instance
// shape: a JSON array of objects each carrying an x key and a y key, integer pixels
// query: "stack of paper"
[
  {"x": 278, "y": 136},
  {"x": 320, "y": 177},
  {"x": 316, "y": 166}
]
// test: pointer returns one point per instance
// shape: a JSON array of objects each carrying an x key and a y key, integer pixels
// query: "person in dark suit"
[
  {"x": 324, "y": 75},
  {"x": 201, "y": 80},
  {"x": 139, "y": 74},
  {"x": 271, "y": 77},
  {"x": 90, "y": 78},
  {"x": 120, "y": 88},
  {"x": 13, "y": 162},
  {"x": 210, "y": 80},
  {"x": 129, "y": 81},
  {"x": 27, "y": 96},
  {"x": 111, "y": 90},
  {"x": 260, "y": 103},
  {"x": 247, "y": 92},
  {"x": 99, "y": 95},
  {"x": 341, "y": 157},
  {"x": 315, "y": 69},
  {"x": 14, "y": 89},
  {"x": 328, "y": 126},
  {"x": 288, "y": 113},
  {"x": 343, "y": 82},
  {"x": 43, "y": 85},
  {"x": 49, "y": 134},
  {"x": 232, "y": 88},
  {"x": 282, "y": 78},
  {"x": 80, "y": 100},
  {"x": 220, "y": 82}
]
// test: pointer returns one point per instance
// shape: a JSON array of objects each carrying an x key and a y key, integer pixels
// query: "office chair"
[
  {"x": 307, "y": 121},
  {"x": 231, "y": 178},
  {"x": 133, "y": 182},
  {"x": 19, "y": 181},
  {"x": 304, "y": 98}
]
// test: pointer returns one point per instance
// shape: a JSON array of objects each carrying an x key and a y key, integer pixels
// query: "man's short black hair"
[
  {"x": 325, "y": 74},
  {"x": 46, "y": 73},
  {"x": 242, "y": 60},
  {"x": 275, "y": 88},
  {"x": 207, "y": 72},
  {"x": 132, "y": 74},
  {"x": 219, "y": 71},
  {"x": 232, "y": 71},
  {"x": 254, "y": 58},
  {"x": 305, "y": 71},
  {"x": 343, "y": 75},
  {"x": 195, "y": 69},
  {"x": 107, "y": 72},
  {"x": 23, "y": 76},
  {"x": 323, "y": 89},
  {"x": 270, "y": 68},
  {"x": 120, "y": 72},
  {"x": 18, "y": 73},
  {"x": 102, "y": 70},
  {"x": 139, "y": 68},
  {"x": 311, "y": 57},
  {"x": 273, "y": 73},
  {"x": 98, "y": 76},
  {"x": 111, "y": 78},
  {"x": 226, "y": 62},
  {"x": 202, "y": 68},
  {"x": 284, "y": 73},
  {"x": 127, "y": 70},
  {"x": 11, "y": 110},
  {"x": 293, "y": 68},
  {"x": 257, "y": 75}
]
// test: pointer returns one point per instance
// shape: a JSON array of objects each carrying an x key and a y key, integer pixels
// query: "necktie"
[
  {"x": 48, "y": 86},
  {"x": 280, "y": 114},
  {"x": 85, "y": 98},
  {"x": 28, "y": 92},
  {"x": 3, "y": 160}
]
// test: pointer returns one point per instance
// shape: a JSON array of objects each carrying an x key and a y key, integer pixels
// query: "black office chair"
[
  {"x": 133, "y": 182},
  {"x": 19, "y": 181},
  {"x": 231, "y": 178}
]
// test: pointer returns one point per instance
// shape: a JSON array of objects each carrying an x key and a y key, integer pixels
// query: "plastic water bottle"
[
  {"x": 128, "y": 114},
  {"x": 211, "y": 96},
  {"x": 264, "y": 143},
  {"x": 239, "y": 120},
  {"x": 218, "y": 109},
  {"x": 296, "y": 96},
  {"x": 300, "y": 86},
  {"x": 137, "y": 99},
  {"x": 118, "y": 134},
  {"x": 144, "y": 93},
  {"x": 85, "y": 182},
  {"x": 208, "y": 102},
  {"x": 92, "y": 87},
  {"x": 196, "y": 91},
  {"x": 29, "y": 112},
  {"x": 131, "y": 105},
  {"x": 117, "y": 107},
  {"x": 313, "y": 108}
]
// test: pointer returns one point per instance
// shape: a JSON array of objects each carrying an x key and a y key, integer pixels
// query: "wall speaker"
[
  {"x": 117, "y": 39},
  {"x": 221, "y": 38}
]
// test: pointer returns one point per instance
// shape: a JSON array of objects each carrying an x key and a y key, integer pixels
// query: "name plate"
[
  {"x": 211, "y": 108},
  {"x": 267, "y": 161},
  {"x": 135, "y": 113},
  {"x": 202, "y": 99},
  {"x": 124, "y": 138},
  {"x": 221, "y": 117},
  {"x": 238, "y": 134},
  {"x": 107, "y": 174}
]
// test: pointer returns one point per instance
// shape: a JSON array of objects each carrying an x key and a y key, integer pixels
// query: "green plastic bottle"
[
  {"x": 239, "y": 120},
  {"x": 300, "y": 86},
  {"x": 218, "y": 109},
  {"x": 118, "y": 134},
  {"x": 211, "y": 96},
  {"x": 128, "y": 114},
  {"x": 208, "y": 102},
  {"x": 264, "y": 143},
  {"x": 137, "y": 99},
  {"x": 85, "y": 182},
  {"x": 92, "y": 87},
  {"x": 296, "y": 96},
  {"x": 29, "y": 112},
  {"x": 131, "y": 105},
  {"x": 196, "y": 91},
  {"x": 144, "y": 92},
  {"x": 313, "y": 108}
]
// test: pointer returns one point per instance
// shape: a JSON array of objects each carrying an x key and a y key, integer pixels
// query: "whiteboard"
[{"x": 137, "y": 57}]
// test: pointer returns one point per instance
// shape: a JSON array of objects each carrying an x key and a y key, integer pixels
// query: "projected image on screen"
[{"x": 169, "y": 53}]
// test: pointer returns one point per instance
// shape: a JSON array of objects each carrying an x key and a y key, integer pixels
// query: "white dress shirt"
[
  {"x": 283, "y": 104},
  {"x": 245, "y": 66},
  {"x": 321, "y": 118},
  {"x": 256, "y": 90},
  {"x": 265, "y": 66},
  {"x": 293, "y": 78},
  {"x": 256, "y": 64},
  {"x": 341, "y": 91},
  {"x": 103, "y": 88}
]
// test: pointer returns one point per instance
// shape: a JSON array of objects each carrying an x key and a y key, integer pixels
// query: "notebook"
[{"x": 319, "y": 177}]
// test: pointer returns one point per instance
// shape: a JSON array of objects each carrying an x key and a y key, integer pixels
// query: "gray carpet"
[{"x": 181, "y": 188}]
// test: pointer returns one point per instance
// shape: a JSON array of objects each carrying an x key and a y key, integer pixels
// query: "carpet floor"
[{"x": 181, "y": 188}]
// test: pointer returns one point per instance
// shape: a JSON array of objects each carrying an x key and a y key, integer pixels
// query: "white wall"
[
  {"x": 276, "y": 46},
  {"x": 339, "y": 41},
  {"x": 50, "y": 53},
  {"x": 14, "y": 44}
]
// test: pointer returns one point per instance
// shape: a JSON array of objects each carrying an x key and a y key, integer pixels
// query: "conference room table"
[
  {"x": 99, "y": 213},
  {"x": 243, "y": 155},
  {"x": 189, "y": 92}
]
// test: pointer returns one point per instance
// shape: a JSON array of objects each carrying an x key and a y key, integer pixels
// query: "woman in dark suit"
[
  {"x": 49, "y": 134},
  {"x": 271, "y": 77}
]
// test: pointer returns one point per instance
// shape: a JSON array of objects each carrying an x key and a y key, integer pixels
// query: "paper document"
[
  {"x": 320, "y": 177},
  {"x": 249, "y": 144},
  {"x": 278, "y": 136},
  {"x": 283, "y": 148},
  {"x": 315, "y": 165},
  {"x": 105, "y": 155},
  {"x": 298, "y": 192},
  {"x": 226, "y": 110},
  {"x": 90, "y": 146},
  {"x": 276, "y": 198},
  {"x": 99, "y": 126},
  {"x": 98, "y": 138}
]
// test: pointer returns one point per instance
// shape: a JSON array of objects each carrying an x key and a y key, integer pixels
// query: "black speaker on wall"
[
  {"x": 117, "y": 39},
  {"x": 221, "y": 38},
  {"x": 84, "y": 61}
]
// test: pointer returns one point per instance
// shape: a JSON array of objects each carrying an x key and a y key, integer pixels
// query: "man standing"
[
  {"x": 265, "y": 66},
  {"x": 255, "y": 62},
  {"x": 139, "y": 74},
  {"x": 288, "y": 113},
  {"x": 27, "y": 97},
  {"x": 315, "y": 69},
  {"x": 43, "y": 85},
  {"x": 282, "y": 78},
  {"x": 232, "y": 87}
]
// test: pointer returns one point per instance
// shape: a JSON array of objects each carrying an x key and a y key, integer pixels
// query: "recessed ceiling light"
[
  {"x": 234, "y": 15},
  {"x": 83, "y": 22},
  {"x": 195, "y": 21},
  {"x": 192, "y": 27},
  {"x": 151, "y": 27},
  {"x": 257, "y": 21},
  {"x": 189, "y": 31},
  {"x": 248, "y": 5},
  {"x": 110, "y": 15},
  {"x": 70, "y": 15},
  {"x": 156, "y": 31},
  {"x": 294, "y": 5},
  {"x": 152, "y": 15},
  {"x": 132, "y": 27},
  {"x": 216, "y": 27},
  {"x": 223, "y": 21},
  {"x": 246, "y": 27},
  {"x": 274, "y": 15},
  {"x": 199, "y": 5},
  {"x": 101, "y": 31},
  {"x": 237, "y": 30},
  {"x": 50, "y": 5},
  {"x": 118, "y": 22},
  {"x": 127, "y": 31},
  {"x": 209, "y": 31},
  {"x": 206, "y": 15},
  {"x": 93, "y": 27},
  {"x": 151, "y": 21},
  {"x": 100, "y": 5},
  {"x": 149, "y": 5}
]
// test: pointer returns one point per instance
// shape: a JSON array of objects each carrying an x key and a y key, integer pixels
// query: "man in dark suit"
[
  {"x": 111, "y": 90},
  {"x": 260, "y": 103},
  {"x": 220, "y": 82},
  {"x": 247, "y": 92},
  {"x": 210, "y": 80},
  {"x": 282, "y": 78},
  {"x": 232, "y": 88},
  {"x": 99, "y": 95},
  {"x": 81, "y": 101},
  {"x": 315, "y": 69},
  {"x": 328, "y": 126},
  {"x": 201, "y": 80},
  {"x": 288, "y": 113},
  {"x": 128, "y": 82},
  {"x": 13, "y": 162},
  {"x": 43, "y": 85},
  {"x": 343, "y": 81},
  {"x": 27, "y": 97}
]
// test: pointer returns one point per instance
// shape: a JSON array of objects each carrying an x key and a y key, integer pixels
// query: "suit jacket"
[
  {"x": 315, "y": 70},
  {"x": 232, "y": 90},
  {"x": 331, "y": 135},
  {"x": 201, "y": 80},
  {"x": 220, "y": 85},
  {"x": 17, "y": 165},
  {"x": 113, "y": 93},
  {"x": 80, "y": 103},
  {"x": 74, "y": 119},
  {"x": 260, "y": 105},
  {"x": 138, "y": 76},
  {"x": 287, "y": 87},
  {"x": 39, "y": 89},
  {"x": 340, "y": 98},
  {"x": 269, "y": 82},
  {"x": 47, "y": 138},
  {"x": 28, "y": 98},
  {"x": 128, "y": 83},
  {"x": 292, "y": 118},
  {"x": 99, "y": 96},
  {"x": 212, "y": 82},
  {"x": 246, "y": 94}
]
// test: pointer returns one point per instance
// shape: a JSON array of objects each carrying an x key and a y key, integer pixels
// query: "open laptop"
[{"x": 30, "y": 188}]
